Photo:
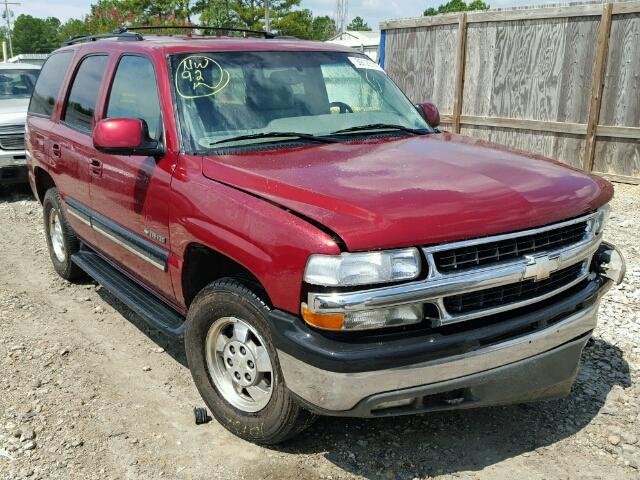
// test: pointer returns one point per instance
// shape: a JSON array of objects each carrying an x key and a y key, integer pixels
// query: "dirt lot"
[{"x": 88, "y": 391}]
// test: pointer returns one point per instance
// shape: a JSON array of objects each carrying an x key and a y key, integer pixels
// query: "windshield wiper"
[
  {"x": 381, "y": 126},
  {"x": 304, "y": 136}
]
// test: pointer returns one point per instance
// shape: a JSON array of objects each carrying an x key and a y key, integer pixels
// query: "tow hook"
[{"x": 611, "y": 263}]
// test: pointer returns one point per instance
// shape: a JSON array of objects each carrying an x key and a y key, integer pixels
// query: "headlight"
[
  {"x": 368, "y": 268},
  {"x": 601, "y": 218}
]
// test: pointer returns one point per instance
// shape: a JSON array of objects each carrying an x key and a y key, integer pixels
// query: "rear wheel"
[
  {"x": 235, "y": 366},
  {"x": 61, "y": 239}
]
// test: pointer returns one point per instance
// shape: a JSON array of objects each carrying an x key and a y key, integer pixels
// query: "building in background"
[{"x": 367, "y": 42}]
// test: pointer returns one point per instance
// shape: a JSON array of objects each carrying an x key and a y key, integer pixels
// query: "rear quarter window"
[{"x": 49, "y": 82}]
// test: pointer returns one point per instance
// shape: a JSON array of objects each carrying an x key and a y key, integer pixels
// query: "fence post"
[
  {"x": 460, "y": 64},
  {"x": 599, "y": 73}
]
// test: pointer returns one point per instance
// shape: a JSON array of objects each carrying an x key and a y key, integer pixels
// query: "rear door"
[
  {"x": 41, "y": 128},
  {"x": 72, "y": 145},
  {"x": 130, "y": 194}
]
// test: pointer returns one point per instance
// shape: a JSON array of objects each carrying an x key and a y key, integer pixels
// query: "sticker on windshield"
[
  {"x": 365, "y": 63},
  {"x": 198, "y": 76}
]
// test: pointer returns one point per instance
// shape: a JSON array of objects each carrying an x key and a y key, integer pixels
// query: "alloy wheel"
[{"x": 239, "y": 364}]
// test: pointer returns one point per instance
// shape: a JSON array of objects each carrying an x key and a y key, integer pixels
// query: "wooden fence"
[{"x": 559, "y": 81}]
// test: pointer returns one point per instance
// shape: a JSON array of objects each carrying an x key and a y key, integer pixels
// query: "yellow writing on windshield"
[{"x": 199, "y": 76}]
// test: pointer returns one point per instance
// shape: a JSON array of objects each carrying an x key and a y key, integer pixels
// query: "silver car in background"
[{"x": 16, "y": 85}]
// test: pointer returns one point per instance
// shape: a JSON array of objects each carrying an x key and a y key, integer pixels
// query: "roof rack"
[
  {"x": 92, "y": 38},
  {"x": 194, "y": 27}
]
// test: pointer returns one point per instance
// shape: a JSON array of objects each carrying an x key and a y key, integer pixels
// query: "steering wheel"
[{"x": 344, "y": 108}]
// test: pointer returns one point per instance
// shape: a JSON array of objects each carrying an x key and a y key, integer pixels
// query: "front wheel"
[{"x": 235, "y": 365}]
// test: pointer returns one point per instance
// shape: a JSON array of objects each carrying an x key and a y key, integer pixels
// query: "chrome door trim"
[
  {"x": 77, "y": 213},
  {"x": 119, "y": 235}
]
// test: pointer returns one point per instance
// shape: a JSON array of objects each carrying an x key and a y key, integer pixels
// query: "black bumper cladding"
[
  {"x": 14, "y": 174},
  {"x": 533, "y": 355}
]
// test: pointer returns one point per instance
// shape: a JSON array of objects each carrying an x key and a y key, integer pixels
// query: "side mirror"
[
  {"x": 430, "y": 113},
  {"x": 125, "y": 136}
]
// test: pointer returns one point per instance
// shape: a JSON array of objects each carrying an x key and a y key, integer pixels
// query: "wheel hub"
[{"x": 239, "y": 364}]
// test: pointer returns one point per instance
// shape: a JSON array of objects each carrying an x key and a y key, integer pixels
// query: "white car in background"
[{"x": 16, "y": 85}]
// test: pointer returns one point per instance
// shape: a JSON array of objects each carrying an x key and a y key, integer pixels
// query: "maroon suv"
[{"x": 320, "y": 245}]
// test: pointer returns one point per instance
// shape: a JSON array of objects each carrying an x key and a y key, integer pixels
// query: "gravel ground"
[{"x": 87, "y": 391}]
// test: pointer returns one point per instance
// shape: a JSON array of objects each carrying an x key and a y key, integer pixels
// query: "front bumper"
[
  {"x": 368, "y": 393},
  {"x": 488, "y": 365},
  {"x": 13, "y": 167}
]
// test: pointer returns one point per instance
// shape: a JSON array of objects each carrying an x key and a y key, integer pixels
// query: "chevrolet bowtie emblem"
[{"x": 540, "y": 267}]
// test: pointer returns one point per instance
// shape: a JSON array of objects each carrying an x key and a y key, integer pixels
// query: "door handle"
[
  {"x": 95, "y": 167},
  {"x": 56, "y": 150}
]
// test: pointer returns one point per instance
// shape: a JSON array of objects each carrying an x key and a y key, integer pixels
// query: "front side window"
[
  {"x": 225, "y": 95},
  {"x": 49, "y": 82},
  {"x": 134, "y": 93},
  {"x": 84, "y": 93},
  {"x": 17, "y": 83}
]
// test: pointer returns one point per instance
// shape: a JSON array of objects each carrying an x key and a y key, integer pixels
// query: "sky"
[{"x": 373, "y": 11}]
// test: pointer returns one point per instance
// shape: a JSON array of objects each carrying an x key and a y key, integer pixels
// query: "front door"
[{"x": 129, "y": 194}]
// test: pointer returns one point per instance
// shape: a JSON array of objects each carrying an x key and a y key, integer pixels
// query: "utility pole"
[
  {"x": 7, "y": 15},
  {"x": 342, "y": 10},
  {"x": 267, "y": 17}
]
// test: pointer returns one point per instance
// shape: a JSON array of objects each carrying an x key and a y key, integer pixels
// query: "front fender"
[{"x": 270, "y": 242}]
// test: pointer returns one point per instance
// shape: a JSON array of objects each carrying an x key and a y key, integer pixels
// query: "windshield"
[
  {"x": 17, "y": 83},
  {"x": 224, "y": 95}
]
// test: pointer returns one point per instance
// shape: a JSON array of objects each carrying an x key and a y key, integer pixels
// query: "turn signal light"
[{"x": 331, "y": 321}]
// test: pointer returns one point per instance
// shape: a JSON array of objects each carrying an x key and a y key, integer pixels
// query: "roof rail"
[
  {"x": 194, "y": 27},
  {"x": 92, "y": 38}
]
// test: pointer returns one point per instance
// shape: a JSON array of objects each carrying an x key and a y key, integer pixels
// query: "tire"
[
  {"x": 64, "y": 242},
  {"x": 217, "y": 307}
]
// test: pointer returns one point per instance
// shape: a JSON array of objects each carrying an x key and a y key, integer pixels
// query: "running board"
[{"x": 145, "y": 304}]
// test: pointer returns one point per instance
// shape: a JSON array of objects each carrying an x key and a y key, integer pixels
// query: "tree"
[
  {"x": 73, "y": 27},
  {"x": 35, "y": 35},
  {"x": 250, "y": 13},
  {"x": 456, "y": 6},
  {"x": 359, "y": 25},
  {"x": 214, "y": 13},
  {"x": 107, "y": 15},
  {"x": 323, "y": 28},
  {"x": 298, "y": 23}
]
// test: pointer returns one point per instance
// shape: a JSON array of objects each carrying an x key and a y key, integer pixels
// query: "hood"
[
  {"x": 414, "y": 191},
  {"x": 13, "y": 110}
]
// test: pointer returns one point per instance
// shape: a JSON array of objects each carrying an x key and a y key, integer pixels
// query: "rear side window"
[
  {"x": 49, "y": 82},
  {"x": 84, "y": 93},
  {"x": 134, "y": 93}
]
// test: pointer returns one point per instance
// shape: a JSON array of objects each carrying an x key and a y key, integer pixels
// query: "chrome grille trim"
[
  {"x": 439, "y": 285},
  {"x": 507, "y": 236},
  {"x": 12, "y": 129},
  {"x": 490, "y": 253},
  {"x": 12, "y": 142}
]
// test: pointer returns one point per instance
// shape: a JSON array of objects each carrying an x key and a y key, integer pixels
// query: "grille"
[
  {"x": 11, "y": 129},
  {"x": 515, "y": 292},
  {"x": 12, "y": 142},
  {"x": 489, "y": 253}
]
